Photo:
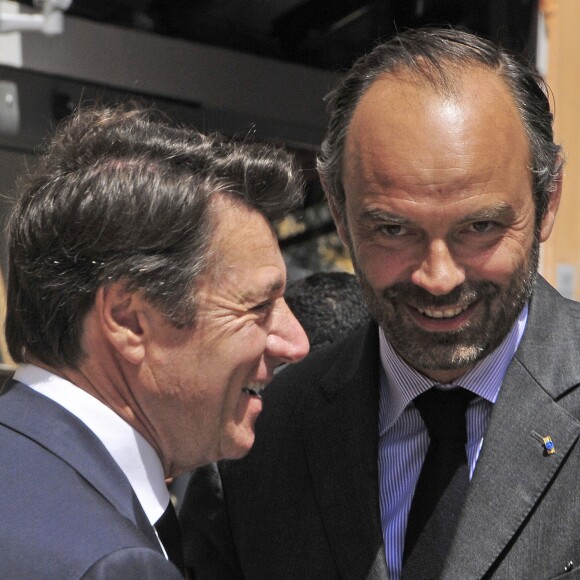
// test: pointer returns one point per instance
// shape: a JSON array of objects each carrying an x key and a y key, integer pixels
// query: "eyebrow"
[
  {"x": 379, "y": 215},
  {"x": 500, "y": 212}
]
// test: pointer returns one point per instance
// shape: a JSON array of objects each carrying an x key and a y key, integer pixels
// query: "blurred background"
[{"x": 258, "y": 68}]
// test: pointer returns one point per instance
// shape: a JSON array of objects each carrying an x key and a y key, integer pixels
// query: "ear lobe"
[
  {"x": 120, "y": 315},
  {"x": 549, "y": 218}
]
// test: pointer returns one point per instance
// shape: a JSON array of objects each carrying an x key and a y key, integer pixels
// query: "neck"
[{"x": 444, "y": 377}]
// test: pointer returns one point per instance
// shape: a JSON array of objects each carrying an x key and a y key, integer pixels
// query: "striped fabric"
[{"x": 403, "y": 438}]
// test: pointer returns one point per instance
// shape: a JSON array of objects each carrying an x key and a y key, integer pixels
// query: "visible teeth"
[
  {"x": 445, "y": 313},
  {"x": 254, "y": 392}
]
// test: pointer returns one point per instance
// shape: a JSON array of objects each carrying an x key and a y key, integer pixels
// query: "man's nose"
[
  {"x": 287, "y": 340},
  {"x": 438, "y": 273}
]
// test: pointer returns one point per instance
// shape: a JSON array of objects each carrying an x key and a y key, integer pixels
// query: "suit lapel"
[
  {"x": 341, "y": 438},
  {"x": 514, "y": 470},
  {"x": 62, "y": 434}
]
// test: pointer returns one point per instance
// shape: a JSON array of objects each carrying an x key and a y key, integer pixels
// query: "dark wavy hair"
[
  {"x": 328, "y": 305},
  {"x": 437, "y": 56},
  {"x": 123, "y": 194}
]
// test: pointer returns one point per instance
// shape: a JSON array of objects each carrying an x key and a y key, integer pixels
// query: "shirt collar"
[
  {"x": 132, "y": 452},
  {"x": 400, "y": 383}
]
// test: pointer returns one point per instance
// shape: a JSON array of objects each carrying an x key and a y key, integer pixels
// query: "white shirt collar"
[{"x": 132, "y": 452}]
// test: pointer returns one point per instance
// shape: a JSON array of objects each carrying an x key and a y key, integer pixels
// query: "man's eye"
[
  {"x": 482, "y": 227},
  {"x": 262, "y": 307},
  {"x": 393, "y": 230}
]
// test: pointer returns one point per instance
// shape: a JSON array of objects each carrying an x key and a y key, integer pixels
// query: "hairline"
[{"x": 445, "y": 76}]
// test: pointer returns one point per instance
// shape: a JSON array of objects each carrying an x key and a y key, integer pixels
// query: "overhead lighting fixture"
[{"x": 48, "y": 20}]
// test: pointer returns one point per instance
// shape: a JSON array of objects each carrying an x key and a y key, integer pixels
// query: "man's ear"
[
  {"x": 549, "y": 218},
  {"x": 121, "y": 316}
]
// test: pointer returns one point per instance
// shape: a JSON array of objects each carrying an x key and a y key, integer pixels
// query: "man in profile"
[
  {"x": 442, "y": 440},
  {"x": 146, "y": 310}
]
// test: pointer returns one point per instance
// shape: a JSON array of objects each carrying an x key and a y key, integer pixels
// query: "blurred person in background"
[{"x": 328, "y": 305}]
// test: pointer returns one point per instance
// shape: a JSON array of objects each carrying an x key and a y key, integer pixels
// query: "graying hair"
[{"x": 122, "y": 194}]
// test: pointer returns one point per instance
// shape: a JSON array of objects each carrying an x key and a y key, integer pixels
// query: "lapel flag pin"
[{"x": 546, "y": 442}]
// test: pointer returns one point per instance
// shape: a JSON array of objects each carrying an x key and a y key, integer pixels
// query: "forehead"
[{"x": 405, "y": 131}]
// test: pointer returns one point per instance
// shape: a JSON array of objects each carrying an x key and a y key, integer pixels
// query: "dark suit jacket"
[
  {"x": 304, "y": 503},
  {"x": 66, "y": 509}
]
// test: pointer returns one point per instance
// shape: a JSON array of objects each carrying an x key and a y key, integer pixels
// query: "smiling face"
[
  {"x": 439, "y": 217},
  {"x": 199, "y": 377}
]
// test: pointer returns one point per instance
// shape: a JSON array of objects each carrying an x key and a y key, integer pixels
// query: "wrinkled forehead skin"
[{"x": 404, "y": 123}]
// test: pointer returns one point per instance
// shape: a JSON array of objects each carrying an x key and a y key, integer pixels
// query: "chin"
[{"x": 239, "y": 447}]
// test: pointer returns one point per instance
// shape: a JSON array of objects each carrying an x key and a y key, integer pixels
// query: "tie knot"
[{"x": 443, "y": 412}]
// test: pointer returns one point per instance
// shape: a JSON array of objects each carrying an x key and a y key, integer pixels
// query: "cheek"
[
  {"x": 238, "y": 361},
  {"x": 381, "y": 267},
  {"x": 500, "y": 265},
  {"x": 248, "y": 347}
]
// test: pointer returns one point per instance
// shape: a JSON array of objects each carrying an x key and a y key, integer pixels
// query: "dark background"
[
  {"x": 327, "y": 34},
  {"x": 321, "y": 34}
]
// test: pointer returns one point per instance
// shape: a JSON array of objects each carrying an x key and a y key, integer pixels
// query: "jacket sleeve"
[{"x": 210, "y": 552}]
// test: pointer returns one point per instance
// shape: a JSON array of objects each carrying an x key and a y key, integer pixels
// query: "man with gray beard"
[{"x": 441, "y": 441}]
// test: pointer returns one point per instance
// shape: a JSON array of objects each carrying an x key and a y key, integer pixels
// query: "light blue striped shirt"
[{"x": 403, "y": 437}]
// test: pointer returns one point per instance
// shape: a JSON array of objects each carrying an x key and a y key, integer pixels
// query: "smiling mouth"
[
  {"x": 254, "y": 392},
  {"x": 441, "y": 313}
]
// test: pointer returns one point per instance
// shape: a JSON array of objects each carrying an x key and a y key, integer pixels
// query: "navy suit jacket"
[
  {"x": 66, "y": 508},
  {"x": 304, "y": 503}
]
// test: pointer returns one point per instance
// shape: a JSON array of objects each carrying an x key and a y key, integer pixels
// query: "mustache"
[{"x": 463, "y": 295}]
